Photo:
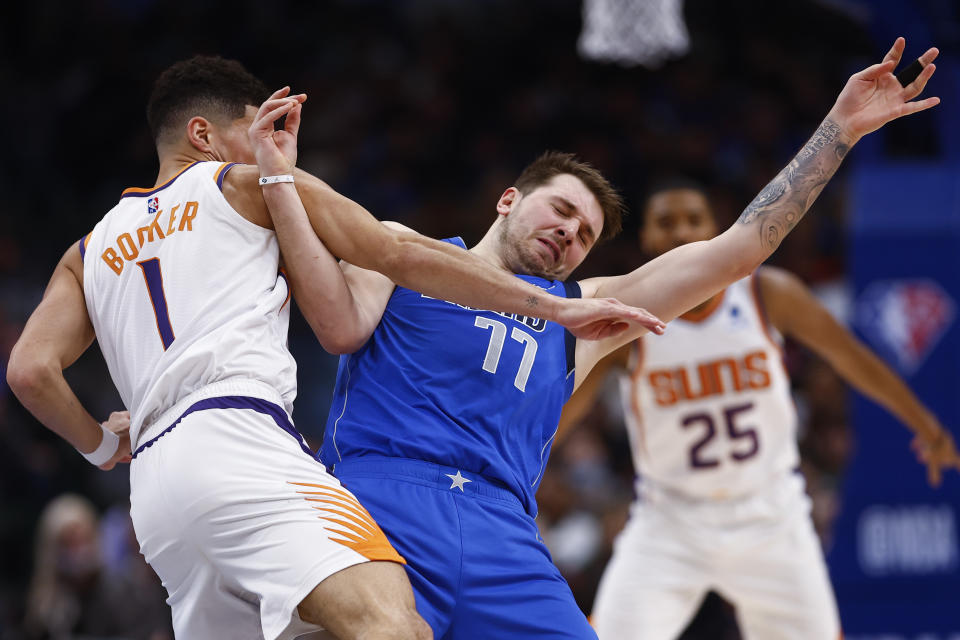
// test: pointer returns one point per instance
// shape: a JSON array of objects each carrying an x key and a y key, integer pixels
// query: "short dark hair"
[
  {"x": 670, "y": 183},
  {"x": 209, "y": 86},
  {"x": 554, "y": 163},
  {"x": 674, "y": 183}
]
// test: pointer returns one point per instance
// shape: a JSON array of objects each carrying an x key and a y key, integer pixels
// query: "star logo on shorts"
[{"x": 458, "y": 480}]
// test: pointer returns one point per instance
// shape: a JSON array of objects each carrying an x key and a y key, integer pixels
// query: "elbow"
[
  {"x": 344, "y": 338},
  {"x": 27, "y": 377},
  {"x": 341, "y": 345}
]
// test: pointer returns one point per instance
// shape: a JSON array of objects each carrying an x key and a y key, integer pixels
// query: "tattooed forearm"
[
  {"x": 532, "y": 302},
  {"x": 780, "y": 205}
]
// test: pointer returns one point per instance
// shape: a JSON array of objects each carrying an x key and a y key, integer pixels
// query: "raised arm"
[
  {"x": 686, "y": 276},
  {"x": 795, "y": 312},
  {"x": 56, "y": 334},
  {"x": 409, "y": 259}
]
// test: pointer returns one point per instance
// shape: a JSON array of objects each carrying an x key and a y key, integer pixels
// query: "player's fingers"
[
  {"x": 612, "y": 329},
  {"x": 266, "y": 122},
  {"x": 934, "y": 476},
  {"x": 916, "y": 87},
  {"x": 875, "y": 71},
  {"x": 929, "y": 56},
  {"x": 276, "y": 95},
  {"x": 271, "y": 104},
  {"x": 292, "y": 124},
  {"x": 919, "y": 105},
  {"x": 626, "y": 312},
  {"x": 895, "y": 51}
]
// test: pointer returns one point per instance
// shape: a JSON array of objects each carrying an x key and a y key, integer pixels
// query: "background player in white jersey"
[
  {"x": 417, "y": 355},
  {"x": 713, "y": 430},
  {"x": 180, "y": 285}
]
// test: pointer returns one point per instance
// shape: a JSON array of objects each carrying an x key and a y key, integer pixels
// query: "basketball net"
[{"x": 632, "y": 32}]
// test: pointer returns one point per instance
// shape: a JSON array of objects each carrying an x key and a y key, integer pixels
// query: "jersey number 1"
[
  {"x": 498, "y": 336},
  {"x": 154, "y": 279}
]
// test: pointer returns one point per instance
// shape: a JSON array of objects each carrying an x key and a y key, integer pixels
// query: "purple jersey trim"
[
  {"x": 83, "y": 248},
  {"x": 142, "y": 193},
  {"x": 223, "y": 174},
  {"x": 236, "y": 402}
]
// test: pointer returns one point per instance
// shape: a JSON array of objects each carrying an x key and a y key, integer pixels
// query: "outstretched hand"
[
  {"x": 119, "y": 423},
  {"x": 874, "y": 96},
  {"x": 599, "y": 318},
  {"x": 935, "y": 448},
  {"x": 276, "y": 151}
]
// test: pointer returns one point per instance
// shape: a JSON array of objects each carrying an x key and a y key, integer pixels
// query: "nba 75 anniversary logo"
[{"x": 905, "y": 319}]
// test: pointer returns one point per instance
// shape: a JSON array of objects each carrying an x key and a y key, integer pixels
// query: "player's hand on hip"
[
  {"x": 598, "y": 318},
  {"x": 874, "y": 96},
  {"x": 276, "y": 151},
  {"x": 119, "y": 423}
]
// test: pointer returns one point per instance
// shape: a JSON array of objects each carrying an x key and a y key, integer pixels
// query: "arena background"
[{"x": 424, "y": 111}]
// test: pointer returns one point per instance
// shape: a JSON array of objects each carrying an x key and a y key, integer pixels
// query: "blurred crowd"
[{"x": 423, "y": 111}]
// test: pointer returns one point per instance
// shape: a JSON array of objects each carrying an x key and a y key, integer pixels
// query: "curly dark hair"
[
  {"x": 554, "y": 163},
  {"x": 210, "y": 86}
]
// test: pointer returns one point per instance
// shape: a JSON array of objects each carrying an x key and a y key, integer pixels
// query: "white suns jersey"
[
  {"x": 708, "y": 403},
  {"x": 184, "y": 292}
]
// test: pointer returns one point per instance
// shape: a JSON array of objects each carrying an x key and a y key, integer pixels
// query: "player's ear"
[
  {"x": 508, "y": 200},
  {"x": 199, "y": 133}
]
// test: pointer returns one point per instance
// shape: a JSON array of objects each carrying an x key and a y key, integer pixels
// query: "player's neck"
[
  {"x": 174, "y": 161},
  {"x": 487, "y": 250}
]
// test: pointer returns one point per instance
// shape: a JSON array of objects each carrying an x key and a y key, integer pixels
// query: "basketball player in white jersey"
[
  {"x": 713, "y": 431},
  {"x": 180, "y": 285}
]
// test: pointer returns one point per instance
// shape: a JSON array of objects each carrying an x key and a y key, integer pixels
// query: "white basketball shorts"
[
  {"x": 241, "y": 522},
  {"x": 761, "y": 553}
]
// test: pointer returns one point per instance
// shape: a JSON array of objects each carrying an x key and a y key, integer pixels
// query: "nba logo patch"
[
  {"x": 905, "y": 319},
  {"x": 737, "y": 319},
  {"x": 153, "y": 205}
]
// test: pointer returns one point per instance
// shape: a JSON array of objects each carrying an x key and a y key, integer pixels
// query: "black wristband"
[{"x": 908, "y": 75}]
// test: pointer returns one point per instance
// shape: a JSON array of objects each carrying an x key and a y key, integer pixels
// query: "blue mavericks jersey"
[{"x": 477, "y": 390}]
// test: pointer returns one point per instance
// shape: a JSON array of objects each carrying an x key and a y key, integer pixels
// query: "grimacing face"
[
  {"x": 549, "y": 231},
  {"x": 676, "y": 217}
]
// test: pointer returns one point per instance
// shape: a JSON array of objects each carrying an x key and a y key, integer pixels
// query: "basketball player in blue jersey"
[
  {"x": 179, "y": 284},
  {"x": 444, "y": 414}
]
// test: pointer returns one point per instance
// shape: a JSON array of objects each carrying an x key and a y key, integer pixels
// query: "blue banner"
[{"x": 895, "y": 557}]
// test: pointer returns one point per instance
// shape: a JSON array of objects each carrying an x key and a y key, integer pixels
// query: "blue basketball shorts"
[{"x": 474, "y": 556}]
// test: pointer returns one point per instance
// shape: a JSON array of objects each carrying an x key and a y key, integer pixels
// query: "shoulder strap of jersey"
[{"x": 571, "y": 289}]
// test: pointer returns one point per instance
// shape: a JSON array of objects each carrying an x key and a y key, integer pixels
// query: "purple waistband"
[{"x": 237, "y": 402}]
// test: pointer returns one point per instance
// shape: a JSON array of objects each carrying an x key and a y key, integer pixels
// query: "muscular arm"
[
  {"x": 795, "y": 312},
  {"x": 423, "y": 264},
  {"x": 326, "y": 300},
  {"x": 56, "y": 334},
  {"x": 683, "y": 278},
  {"x": 408, "y": 259}
]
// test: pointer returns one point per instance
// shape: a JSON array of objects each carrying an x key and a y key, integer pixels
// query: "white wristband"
[
  {"x": 108, "y": 446},
  {"x": 275, "y": 179}
]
